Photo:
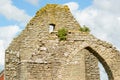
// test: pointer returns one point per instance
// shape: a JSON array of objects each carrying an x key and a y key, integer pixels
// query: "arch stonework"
[
  {"x": 104, "y": 63},
  {"x": 104, "y": 52},
  {"x": 37, "y": 54}
]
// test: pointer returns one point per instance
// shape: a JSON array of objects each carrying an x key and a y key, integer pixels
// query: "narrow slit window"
[{"x": 51, "y": 27}]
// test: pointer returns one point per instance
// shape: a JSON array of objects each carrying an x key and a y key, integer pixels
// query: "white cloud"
[
  {"x": 6, "y": 35},
  {"x": 33, "y": 2},
  {"x": 11, "y": 12},
  {"x": 109, "y": 5},
  {"x": 73, "y": 6},
  {"x": 1, "y": 67},
  {"x": 2, "y": 52}
]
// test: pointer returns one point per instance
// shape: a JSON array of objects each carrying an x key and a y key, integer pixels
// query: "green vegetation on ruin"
[
  {"x": 62, "y": 34},
  {"x": 84, "y": 29}
]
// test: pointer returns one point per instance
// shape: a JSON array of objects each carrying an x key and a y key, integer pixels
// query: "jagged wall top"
[
  {"x": 53, "y": 7},
  {"x": 59, "y": 15}
]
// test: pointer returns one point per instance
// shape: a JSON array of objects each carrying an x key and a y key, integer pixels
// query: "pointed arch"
[{"x": 102, "y": 60}]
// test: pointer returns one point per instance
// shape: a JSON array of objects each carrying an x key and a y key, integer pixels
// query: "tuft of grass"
[
  {"x": 62, "y": 34},
  {"x": 84, "y": 29}
]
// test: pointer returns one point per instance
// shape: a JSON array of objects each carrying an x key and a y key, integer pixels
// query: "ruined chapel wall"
[
  {"x": 36, "y": 46},
  {"x": 85, "y": 40}
]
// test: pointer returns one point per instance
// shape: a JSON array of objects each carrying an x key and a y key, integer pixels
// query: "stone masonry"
[{"x": 37, "y": 54}]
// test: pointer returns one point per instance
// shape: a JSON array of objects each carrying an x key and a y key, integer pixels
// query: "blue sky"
[
  {"x": 31, "y": 8},
  {"x": 101, "y": 16}
]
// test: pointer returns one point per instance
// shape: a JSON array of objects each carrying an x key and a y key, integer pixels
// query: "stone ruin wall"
[
  {"x": 32, "y": 69},
  {"x": 38, "y": 55}
]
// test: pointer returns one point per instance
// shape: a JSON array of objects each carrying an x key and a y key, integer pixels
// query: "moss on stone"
[{"x": 52, "y": 7}]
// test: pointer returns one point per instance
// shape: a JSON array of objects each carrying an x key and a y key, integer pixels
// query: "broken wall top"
[{"x": 59, "y": 15}]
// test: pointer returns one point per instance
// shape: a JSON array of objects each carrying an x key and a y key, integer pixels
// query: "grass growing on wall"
[
  {"x": 84, "y": 29},
  {"x": 62, "y": 34}
]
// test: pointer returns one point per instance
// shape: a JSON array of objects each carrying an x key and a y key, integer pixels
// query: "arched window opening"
[
  {"x": 104, "y": 64},
  {"x": 51, "y": 27}
]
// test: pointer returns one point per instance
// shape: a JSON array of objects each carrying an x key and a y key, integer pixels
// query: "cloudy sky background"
[{"x": 101, "y": 16}]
